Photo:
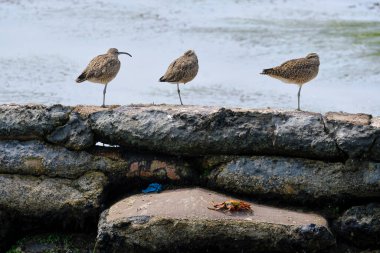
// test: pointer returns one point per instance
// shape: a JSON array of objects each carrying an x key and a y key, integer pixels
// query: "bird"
[
  {"x": 182, "y": 70},
  {"x": 102, "y": 69},
  {"x": 296, "y": 71}
]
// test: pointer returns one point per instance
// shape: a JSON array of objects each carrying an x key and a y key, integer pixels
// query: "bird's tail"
[
  {"x": 267, "y": 71},
  {"x": 162, "y": 79},
  {"x": 81, "y": 78}
]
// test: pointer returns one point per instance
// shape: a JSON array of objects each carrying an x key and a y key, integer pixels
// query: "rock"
[
  {"x": 360, "y": 225},
  {"x": 354, "y": 133},
  {"x": 298, "y": 179},
  {"x": 57, "y": 124},
  {"x": 86, "y": 110},
  {"x": 55, "y": 242},
  {"x": 76, "y": 134},
  {"x": 196, "y": 130},
  {"x": 179, "y": 221},
  {"x": 38, "y": 158},
  {"x": 52, "y": 198},
  {"x": 26, "y": 122},
  {"x": 375, "y": 150}
]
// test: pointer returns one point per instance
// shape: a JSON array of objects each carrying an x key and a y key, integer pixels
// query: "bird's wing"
[
  {"x": 289, "y": 67},
  {"x": 177, "y": 70},
  {"x": 101, "y": 64},
  {"x": 290, "y": 63}
]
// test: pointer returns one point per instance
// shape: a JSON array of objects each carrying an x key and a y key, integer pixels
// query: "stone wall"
[{"x": 52, "y": 173}]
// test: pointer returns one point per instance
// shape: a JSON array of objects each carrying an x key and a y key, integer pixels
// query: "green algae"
[{"x": 359, "y": 33}]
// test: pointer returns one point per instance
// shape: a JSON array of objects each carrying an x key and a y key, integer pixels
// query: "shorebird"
[
  {"x": 102, "y": 69},
  {"x": 297, "y": 71},
  {"x": 182, "y": 70}
]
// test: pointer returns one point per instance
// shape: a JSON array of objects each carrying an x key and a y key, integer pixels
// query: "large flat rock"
[
  {"x": 179, "y": 221},
  {"x": 201, "y": 130},
  {"x": 298, "y": 179}
]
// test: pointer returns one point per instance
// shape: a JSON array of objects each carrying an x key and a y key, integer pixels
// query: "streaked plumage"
[
  {"x": 102, "y": 69},
  {"x": 296, "y": 71},
  {"x": 182, "y": 70}
]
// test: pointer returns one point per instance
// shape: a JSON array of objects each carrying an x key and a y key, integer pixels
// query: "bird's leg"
[
  {"x": 299, "y": 94},
  {"x": 179, "y": 93},
  {"x": 104, "y": 95}
]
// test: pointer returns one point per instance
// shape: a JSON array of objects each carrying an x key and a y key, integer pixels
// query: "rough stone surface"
[
  {"x": 179, "y": 221},
  {"x": 195, "y": 130},
  {"x": 360, "y": 225},
  {"x": 86, "y": 110},
  {"x": 354, "y": 133},
  {"x": 25, "y": 122},
  {"x": 76, "y": 134},
  {"x": 52, "y": 197},
  {"x": 298, "y": 179},
  {"x": 375, "y": 151},
  {"x": 37, "y": 158}
]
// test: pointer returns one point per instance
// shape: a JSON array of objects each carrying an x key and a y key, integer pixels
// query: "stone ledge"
[{"x": 198, "y": 130}]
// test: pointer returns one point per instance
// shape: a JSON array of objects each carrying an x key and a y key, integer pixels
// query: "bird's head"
[
  {"x": 114, "y": 51},
  {"x": 190, "y": 53},
  {"x": 312, "y": 56}
]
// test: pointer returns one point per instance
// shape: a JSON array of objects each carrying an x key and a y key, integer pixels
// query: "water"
[{"x": 46, "y": 44}]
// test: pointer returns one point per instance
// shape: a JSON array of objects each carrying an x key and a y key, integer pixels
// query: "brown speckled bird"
[
  {"x": 102, "y": 69},
  {"x": 182, "y": 70},
  {"x": 297, "y": 71}
]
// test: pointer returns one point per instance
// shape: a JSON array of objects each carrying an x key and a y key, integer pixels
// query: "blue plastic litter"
[{"x": 154, "y": 187}]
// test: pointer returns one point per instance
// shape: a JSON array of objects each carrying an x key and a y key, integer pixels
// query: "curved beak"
[{"x": 125, "y": 53}]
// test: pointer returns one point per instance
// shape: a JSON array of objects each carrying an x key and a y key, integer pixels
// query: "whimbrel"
[
  {"x": 102, "y": 69},
  {"x": 182, "y": 70},
  {"x": 297, "y": 71}
]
